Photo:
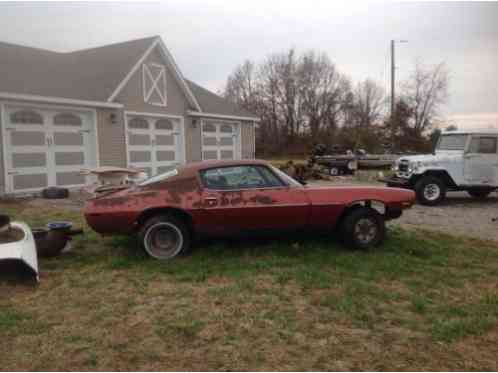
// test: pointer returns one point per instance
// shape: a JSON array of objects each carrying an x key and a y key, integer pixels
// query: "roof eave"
[
  {"x": 59, "y": 100},
  {"x": 221, "y": 116}
]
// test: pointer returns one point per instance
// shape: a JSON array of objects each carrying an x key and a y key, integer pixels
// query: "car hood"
[
  {"x": 348, "y": 194},
  {"x": 433, "y": 158}
]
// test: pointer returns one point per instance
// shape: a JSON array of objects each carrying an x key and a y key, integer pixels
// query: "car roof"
[{"x": 196, "y": 166}]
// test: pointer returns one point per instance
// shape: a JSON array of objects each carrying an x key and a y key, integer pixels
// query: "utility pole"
[{"x": 393, "y": 88}]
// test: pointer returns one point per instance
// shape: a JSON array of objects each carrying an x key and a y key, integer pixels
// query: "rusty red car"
[{"x": 221, "y": 198}]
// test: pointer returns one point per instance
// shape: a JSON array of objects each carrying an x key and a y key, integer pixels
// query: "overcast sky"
[{"x": 209, "y": 38}]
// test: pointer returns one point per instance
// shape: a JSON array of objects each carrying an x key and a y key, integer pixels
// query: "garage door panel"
[
  {"x": 139, "y": 139},
  {"x": 226, "y": 141},
  {"x": 69, "y": 159},
  {"x": 209, "y": 154},
  {"x": 68, "y": 139},
  {"x": 165, "y": 140},
  {"x": 69, "y": 178},
  {"x": 30, "y": 181},
  {"x": 226, "y": 154},
  {"x": 27, "y": 138},
  {"x": 24, "y": 160},
  {"x": 140, "y": 156},
  {"x": 163, "y": 169},
  {"x": 165, "y": 155},
  {"x": 209, "y": 141}
]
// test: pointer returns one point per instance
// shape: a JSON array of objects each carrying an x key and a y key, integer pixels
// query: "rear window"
[{"x": 483, "y": 145}]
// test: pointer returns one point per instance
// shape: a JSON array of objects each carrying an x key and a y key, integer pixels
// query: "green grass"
[{"x": 299, "y": 302}]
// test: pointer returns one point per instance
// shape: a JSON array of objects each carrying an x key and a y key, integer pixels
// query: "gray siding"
[
  {"x": 247, "y": 140},
  {"x": 111, "y": 138},
  {"x": 193, "y": 140}
]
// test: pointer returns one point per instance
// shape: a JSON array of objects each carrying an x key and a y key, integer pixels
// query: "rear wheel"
[
  {"x": 430, "y": 190},
  {"x": 164, "y": 237},
  {"x": 481, "y": 194},
  {"x": 363, "y": 228}
]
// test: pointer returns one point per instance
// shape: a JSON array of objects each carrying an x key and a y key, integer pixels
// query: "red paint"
[{"x": 223, "y": 212}]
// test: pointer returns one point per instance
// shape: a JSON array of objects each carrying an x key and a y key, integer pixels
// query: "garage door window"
[
  {"x": 26, "y": 117},
  {"x": 67, "y": 119}
]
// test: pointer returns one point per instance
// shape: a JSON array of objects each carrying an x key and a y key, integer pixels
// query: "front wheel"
[
  {"x": 430, "y": 190},
  {"x": 363, "y": 228},
  {"x": 164, "y": 237}
]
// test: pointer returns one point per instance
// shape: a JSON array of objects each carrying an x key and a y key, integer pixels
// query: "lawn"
[{"x": 423, "y": 301}]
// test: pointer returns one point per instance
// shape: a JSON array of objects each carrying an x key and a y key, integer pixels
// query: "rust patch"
[
  {"x": 264, "y": 200},
  {"x": 108, "y": 202}
]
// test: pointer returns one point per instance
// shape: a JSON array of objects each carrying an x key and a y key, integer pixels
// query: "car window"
[
  {"x": 483, "y": 145},
  {"x": 239, "y": 177},
  {"x": 452, "y": 142}
]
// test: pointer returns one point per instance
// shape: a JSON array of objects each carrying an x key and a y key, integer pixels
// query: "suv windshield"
[{"x": 452, "y": 142}]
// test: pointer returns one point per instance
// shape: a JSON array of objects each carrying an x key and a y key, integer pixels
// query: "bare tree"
[
  {"x": 425, "y": 91},
  {"x": 369, "y": 99}
]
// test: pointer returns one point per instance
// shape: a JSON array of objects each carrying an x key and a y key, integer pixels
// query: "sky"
[{"x": 209, "y": 38}]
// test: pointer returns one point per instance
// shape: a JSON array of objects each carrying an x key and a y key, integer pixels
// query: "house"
[{"x": 122, "y": 105}]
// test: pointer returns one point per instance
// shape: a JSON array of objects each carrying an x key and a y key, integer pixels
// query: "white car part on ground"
[{"x": 23, "y": 250}]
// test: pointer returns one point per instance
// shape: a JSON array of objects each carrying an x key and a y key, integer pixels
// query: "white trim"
[
  {"x": 128, "y": 76},
  {"x": 219, "y": 116},
  {"x": 4, "y": 148},
  {"x": 169, "y": 59},
  {"x": 154, "y": 87},
  {"x": 141, "y": 113},
  {"x": 58, "y": 100}
]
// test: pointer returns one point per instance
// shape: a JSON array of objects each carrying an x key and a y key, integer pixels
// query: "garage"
[
  {"x": 219, "y": 140},
  {"x": 154, "y": 143},
  {"x": 47, "y": 147}
]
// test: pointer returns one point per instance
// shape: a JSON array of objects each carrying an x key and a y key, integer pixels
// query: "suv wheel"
[
  {"x": 430, "y": 190},
  {"x": 363, "y": 228},
  {"x": 479, "y": 193},
  {"x": 164, "y": 237}
]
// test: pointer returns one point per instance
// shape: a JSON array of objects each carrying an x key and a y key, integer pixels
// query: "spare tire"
[{"x": 55, "y": 193}]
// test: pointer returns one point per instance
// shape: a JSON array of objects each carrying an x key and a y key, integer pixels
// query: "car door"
[
  {"x": 481, "y": 161},
  {"x": 250, "y": 198}
]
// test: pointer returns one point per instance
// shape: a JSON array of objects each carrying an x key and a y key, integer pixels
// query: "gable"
[{"x": 153, "y": 88}]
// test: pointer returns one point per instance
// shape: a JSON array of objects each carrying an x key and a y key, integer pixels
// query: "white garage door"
[
  {"x": 219, "y": 140},
  {"x": 154, "y": 144},
  {"x": 47, "y": 147}
]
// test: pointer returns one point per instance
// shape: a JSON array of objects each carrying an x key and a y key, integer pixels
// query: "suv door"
[
  {"x": 481, "y": 161},
  {"x": 249, "y": 198}
]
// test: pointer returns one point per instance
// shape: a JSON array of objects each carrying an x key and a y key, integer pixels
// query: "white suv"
[{"x": 463, "y": 160}]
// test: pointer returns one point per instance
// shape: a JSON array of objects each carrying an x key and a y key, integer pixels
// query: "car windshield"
[
  {"x": 452, "y": 142},
  {"x": 287, "y": 179},
  {"x": 160, "y": 177}
]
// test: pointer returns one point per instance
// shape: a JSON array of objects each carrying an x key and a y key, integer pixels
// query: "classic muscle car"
[{"x": 220, "y": 198}]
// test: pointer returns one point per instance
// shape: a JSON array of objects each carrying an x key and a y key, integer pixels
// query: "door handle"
[{"x": 211, "y": 201}]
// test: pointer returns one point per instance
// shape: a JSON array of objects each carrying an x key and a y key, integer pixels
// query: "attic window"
[
  {"x": 154, "y": 84},
  {"x": 26, "y": 117}
]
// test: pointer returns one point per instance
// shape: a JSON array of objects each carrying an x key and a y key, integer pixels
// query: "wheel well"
[
  {"x": 378, "y": 206},
  {"x": 177, "y": 213},
  {"x": 440, "y": 174}
]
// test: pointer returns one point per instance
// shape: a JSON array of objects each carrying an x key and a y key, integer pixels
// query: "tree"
[{"x": 425, "y": 91}]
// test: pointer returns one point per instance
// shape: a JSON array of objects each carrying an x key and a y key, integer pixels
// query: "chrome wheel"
[
  {"x": 163, "y": 240},
  {"x": 365, "y": 230},
  {"x": 432, "y": 192}
]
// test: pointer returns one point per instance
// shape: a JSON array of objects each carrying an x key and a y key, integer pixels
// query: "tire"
[
  {"x": 430, "y": 190},
  {"x": 480, "y": 194},
  {"x": 334, "y": 171},
  {"x": 354, "y": 225},
  {"x": 175, "y": 236}
]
